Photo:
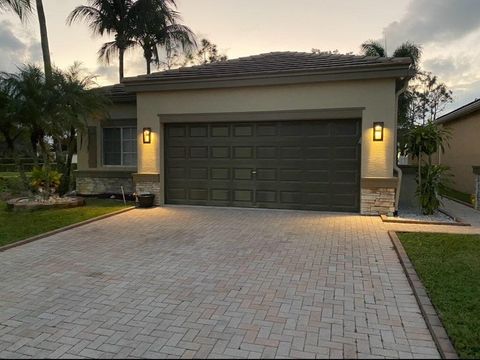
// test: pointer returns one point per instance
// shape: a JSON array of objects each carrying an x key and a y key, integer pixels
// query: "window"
[{"x": 120, "y": 146}]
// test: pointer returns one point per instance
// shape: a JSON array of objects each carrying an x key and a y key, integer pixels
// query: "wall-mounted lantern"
[
  {"x": 378, "y": 131},
  {"x": 147, "y": 135}
]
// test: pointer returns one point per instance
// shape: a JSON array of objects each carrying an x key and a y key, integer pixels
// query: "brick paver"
[{"x": 210, "y": 282}]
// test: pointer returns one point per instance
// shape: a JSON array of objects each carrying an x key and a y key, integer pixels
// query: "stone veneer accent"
[
  {"x": 103, "y": 182},
  {"x": 148, "y": 183},
  {"x": 377, "y": 201}
]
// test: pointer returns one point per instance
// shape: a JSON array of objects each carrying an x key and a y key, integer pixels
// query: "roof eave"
[
  {"x": 459, "y": 113},
  {"x": 145, "y": 85}
]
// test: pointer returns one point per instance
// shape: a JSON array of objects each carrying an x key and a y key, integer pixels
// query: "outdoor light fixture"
[
  {"x": 147, "y": 135},
  {"x": 378, "y": 131}
]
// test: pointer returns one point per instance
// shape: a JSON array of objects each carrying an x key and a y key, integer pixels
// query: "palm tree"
[
  {"x": 77, "y": 102},
  {"x": 20, "y": 7},
  {"x": 407, "y": 49},
  {"x": 156, "y": 24},
  {"x": 108, "y": 17},
  {"x": 47, "y": 61}
]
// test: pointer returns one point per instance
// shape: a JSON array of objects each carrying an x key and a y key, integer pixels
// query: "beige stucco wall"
[
  {"x": 376, "y": 96},
  {"x": 121, "y": 111},
  {"x": 463, "y": 151}
]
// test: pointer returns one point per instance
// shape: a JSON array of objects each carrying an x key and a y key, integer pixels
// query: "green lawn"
[
  {"x": 457, "y": 195},
  {"x": 449, "y": 266},
  {"x": 15, "y": 226}
]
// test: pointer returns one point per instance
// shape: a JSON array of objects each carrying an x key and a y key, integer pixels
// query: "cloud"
[
  {"x": 427, "y": 21},
  {"x": 449, "y": 33},
  {"x": 17, "y": 47}
]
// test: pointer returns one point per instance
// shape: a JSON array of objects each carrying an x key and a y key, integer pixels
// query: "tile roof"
[
  {"x": 274, "y": 63},
  {"x": 118, "y": 93}
]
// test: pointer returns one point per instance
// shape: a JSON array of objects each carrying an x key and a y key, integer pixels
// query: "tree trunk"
[
  {"x": 148, "y": 66},
  {"x": 47, "y": 62},
  {"x": 121, "y": 56},
  {"x": 67, "y": 166}
]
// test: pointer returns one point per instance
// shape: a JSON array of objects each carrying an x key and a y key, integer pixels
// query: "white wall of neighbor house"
[{"x": 376, "y": 96}]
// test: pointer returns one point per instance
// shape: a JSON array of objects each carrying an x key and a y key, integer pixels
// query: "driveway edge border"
[
  {"x": 62, "y": 229},
  {"x": 457, "y": 221},
  {"x": 434, "y": 324}
]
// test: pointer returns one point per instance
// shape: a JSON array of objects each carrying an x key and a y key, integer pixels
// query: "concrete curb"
[
  {"x": 458, "y": 222},
  {"x": 434, "y": 324},
  {"x": 62, "y": 229}
]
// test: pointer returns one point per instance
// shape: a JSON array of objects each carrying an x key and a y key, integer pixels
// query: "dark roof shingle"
[{"x": 273, "y": 63}]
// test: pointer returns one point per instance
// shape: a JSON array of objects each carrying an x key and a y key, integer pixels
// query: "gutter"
[{"x": 395, "y": 153}]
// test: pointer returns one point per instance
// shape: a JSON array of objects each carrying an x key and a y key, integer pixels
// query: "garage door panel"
[
  {"x": 175, "y": 194},
  {"x": 198, "y": 130},
  {"x": 312, "y": 165},
  {"x": 291, "y": 197},
  {"x": 243, "y": 195},
  {"x": 266, "y": 196},
  {"x": 243, "y": 173},
  {"x": 199, "y": 173},
  {"x": 243, "y": 130},
  {"x": 266, "y": 129},
  {"x": 177, "y": 172},
  {"x": 220, "y": 131},
  {"x": 243, "y": 152},
  {"x": 198, "y": 152},
  {"x": 220, "y": 152},
  {"x": 220, "y": 195},
  {"x": 220, "y": 173},
  {"x": 266, "y": 152},
  {"x": 198, "y": 194},
  {"x": 176, "y": 131},
  {"x": 177, "y": 152}
]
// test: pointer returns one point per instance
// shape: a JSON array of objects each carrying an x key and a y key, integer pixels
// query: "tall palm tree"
[
  {"x": 20, "y": 7},
  {"x": 157, "y": 24},
  {"x": 407, "y": 49},
  {"x": 47, "y": 61},
  {"x": 108, "y": 17}
]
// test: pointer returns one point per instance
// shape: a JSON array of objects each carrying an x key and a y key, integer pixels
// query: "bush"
[
  {"x": 45, "y": 181},
  {"x": 11, "y": 185},
  {"x": 434, "y": 179}
]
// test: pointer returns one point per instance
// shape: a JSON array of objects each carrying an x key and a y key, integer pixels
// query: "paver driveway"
[{"x": 197, "y": 282}]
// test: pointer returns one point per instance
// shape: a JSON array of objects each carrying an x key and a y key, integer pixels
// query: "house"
[
  {"x": 462, "y": 154},
  {"x": 281, "y": 130}
]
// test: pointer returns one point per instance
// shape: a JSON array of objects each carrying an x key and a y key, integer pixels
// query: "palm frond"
[
  {"x": 20, "y": 7},
  {"x": 373, "y": 48},
  {"x": 107, "y": 52},
  {"x": 411, "y": 50}
]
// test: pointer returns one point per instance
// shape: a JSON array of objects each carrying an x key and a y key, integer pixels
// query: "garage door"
[{"x": 310, "y": 165}]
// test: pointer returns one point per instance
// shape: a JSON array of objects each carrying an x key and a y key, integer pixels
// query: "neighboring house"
[
  {"x": 463, "y": 150},
  {"x": 280, "y": 130}
]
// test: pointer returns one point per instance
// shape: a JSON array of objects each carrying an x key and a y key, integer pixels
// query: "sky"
[{"x": 447, "y": 30}]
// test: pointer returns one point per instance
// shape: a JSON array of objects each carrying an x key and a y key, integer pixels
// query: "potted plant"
[{"x": 145, "y": 199}]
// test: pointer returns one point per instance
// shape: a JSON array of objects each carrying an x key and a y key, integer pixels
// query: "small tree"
[
  {"x": 206, "y": 54},
  {"x": 423, "y": 141}
]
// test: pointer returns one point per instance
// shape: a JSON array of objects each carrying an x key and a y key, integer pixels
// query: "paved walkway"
[
  {"x": 205, "y": 282},
  {"x": 465, "y": 213}
]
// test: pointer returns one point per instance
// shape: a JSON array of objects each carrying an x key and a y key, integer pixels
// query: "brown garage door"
[{"x": 311, "y": 165}]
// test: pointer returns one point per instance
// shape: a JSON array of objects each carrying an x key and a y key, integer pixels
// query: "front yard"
[
  {"x": 449, "y": 266},
  {"x": 15, "y": 226}
]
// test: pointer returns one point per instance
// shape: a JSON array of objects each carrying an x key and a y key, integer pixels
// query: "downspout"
[{"x": 395, "y": 152}]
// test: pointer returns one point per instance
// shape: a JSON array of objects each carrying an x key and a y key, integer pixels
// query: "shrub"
[
  {"x": 433, "y": 181},
  {"x": 45, "y": 181}
]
